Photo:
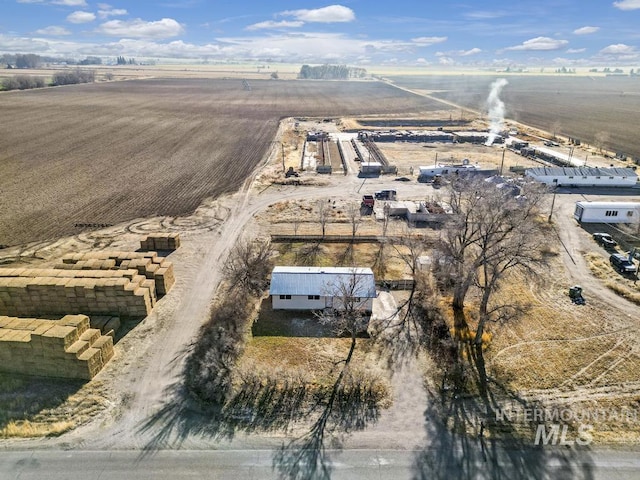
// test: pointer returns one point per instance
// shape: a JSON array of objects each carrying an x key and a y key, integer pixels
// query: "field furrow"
[{"x": 111, "y": 152}]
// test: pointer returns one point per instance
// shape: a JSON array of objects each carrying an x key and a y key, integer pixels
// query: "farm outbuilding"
[
  {"x": 584, "y": 176},
  {"x": 317, "y": 288},
  {"x": 370, "y": 168},
  {"x": 607, "y": 212}
]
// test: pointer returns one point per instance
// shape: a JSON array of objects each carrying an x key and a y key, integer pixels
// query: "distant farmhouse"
[
  {"x": 584, "y": 176},
  {"x": 317, "y": 288}
]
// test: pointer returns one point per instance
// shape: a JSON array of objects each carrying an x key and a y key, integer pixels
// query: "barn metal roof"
[
  {"x": 604, "y": 204},
  {"x": 580, "y": 172},
  {"x": 321, "y": 281}
]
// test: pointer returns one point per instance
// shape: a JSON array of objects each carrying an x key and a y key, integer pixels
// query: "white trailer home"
[
  {"x": 317, "y": 288},
  {"x": 607, "y": 212},
  {"x": 583, "y": 176}
]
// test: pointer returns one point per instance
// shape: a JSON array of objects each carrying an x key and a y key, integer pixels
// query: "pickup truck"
[
  {"x": 386, "y": 195},
  {"x": 368, "y": 201},
  {"x": 622, "y": 263},
  {"x": 604, "y": 239}
]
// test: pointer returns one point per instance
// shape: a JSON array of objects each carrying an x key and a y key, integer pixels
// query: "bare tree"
[
  {"x": 385, "y": 219},
  {"x": 249, "y": 264},
  {"x": 296, "y": 224},
  {"x": 487, "y": 224},
  {"x": 323, "y": 215},
  {"x": 354, "y": 217},
  {"x": 408, "y": 250},
  {"x": 348, "y": 316}
]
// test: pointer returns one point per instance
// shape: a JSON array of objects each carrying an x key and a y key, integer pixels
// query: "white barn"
[
  {"x": 607, "y": 212},
  {"x": 583, "y": 176},
  {"x": 317, "y": 288}
]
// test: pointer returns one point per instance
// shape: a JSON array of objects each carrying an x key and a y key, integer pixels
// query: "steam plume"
[{"x": 496, "y": 109}]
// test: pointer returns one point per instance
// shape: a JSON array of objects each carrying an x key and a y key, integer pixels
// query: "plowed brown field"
[{"x": 107, "y": 153}]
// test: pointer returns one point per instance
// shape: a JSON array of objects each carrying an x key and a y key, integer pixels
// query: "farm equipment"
[{"x": 575, "y": 294}]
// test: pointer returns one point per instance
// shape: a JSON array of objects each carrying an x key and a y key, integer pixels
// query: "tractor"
[{"x": 575, "y": 294}]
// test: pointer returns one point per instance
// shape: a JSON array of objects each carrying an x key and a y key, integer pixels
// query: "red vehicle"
[{"x": 368, "y": 201}]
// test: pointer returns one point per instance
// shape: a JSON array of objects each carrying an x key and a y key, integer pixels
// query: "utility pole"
[
  {"x": 553, "y": 201},
  {"x": 504, "y": 150}
]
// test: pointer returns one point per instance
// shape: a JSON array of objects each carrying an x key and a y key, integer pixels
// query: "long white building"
[
  {"x": 607, "y": 212},
  {"x": 584, "y": 176},
  {"x": 317, "y": 288}
]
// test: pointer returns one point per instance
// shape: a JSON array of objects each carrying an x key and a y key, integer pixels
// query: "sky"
[{"x": 492, "y": 33}]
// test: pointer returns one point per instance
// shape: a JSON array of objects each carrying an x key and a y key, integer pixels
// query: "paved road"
[{"x": 259, "y": 464}]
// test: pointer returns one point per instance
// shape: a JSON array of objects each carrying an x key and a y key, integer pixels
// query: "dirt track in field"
[{"x": 108, "y": 153}]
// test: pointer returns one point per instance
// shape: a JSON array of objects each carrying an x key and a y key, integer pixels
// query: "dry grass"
[
  {"x": 407, "y": 154},
  {"x": 617, "y": 283},
  {"x": 27, "y": 429},
  {"x": 36, "y": 407},
  {"x": 316, "y": 360}
]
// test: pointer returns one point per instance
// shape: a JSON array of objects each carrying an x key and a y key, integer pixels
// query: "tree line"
[
  {"x": 31, "y": 61},
  {"x": 70, "y": 77},
  {"x": 330, "y": 72}
]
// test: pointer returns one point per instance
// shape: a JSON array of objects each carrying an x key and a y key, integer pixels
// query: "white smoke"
[{"x": 496, "y": 110}]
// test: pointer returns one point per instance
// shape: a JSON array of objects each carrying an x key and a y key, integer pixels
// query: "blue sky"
[{"x": 571, "y": 33}]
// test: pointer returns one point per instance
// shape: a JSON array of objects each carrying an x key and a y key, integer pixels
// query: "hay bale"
[{"x": 105, "y": 345}]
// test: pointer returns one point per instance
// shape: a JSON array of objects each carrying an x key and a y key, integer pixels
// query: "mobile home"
[{"x": 607, "y": 212}]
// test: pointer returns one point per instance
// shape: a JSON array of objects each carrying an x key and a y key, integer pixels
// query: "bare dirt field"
[
  {"x": 110, "y": 152},
  {"x": 408, "y": 156},
  {"x": 593, "y": 109}
]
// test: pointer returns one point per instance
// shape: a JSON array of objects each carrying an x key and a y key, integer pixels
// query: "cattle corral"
[{"x": 110, "y": 152}]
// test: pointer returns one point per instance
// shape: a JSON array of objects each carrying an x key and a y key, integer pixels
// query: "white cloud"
[
  {"x": 110, "y": 12},
  {"x": 330, "y": 14},
  {"x": 485, "y": 15},
  {"x": 576, "y": 50},
  {"x": 81, "y": 17},
  {"x": 627, "y": 4},
  {"x": 138, "y": 28},
  {"x": 423, "y": 61},
  {"x": 540, "y": 43},
  {"x": 53, "y": 31},
  {"x": 70, "y": 3},
  {"x": 585, "y": 30},
  {"x": 427, "y": 41},
  {"x": 459, "y": 53},
  {"x": 618, "y": 52},
  {"x": 273, "y": 24},
  {"x": 447, "y": 61},
  {"x": 618, "y": 49}
]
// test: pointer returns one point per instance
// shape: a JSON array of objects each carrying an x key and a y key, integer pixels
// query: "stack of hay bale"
[
  {"x": 154, "y": 268},
  {"x": 161, "y": 241},
  {"x": 29, "y": 292},
  {"x": 66, "y": 348}
]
